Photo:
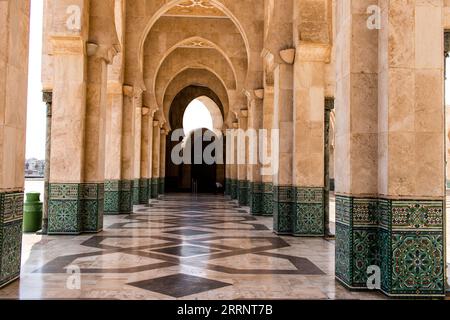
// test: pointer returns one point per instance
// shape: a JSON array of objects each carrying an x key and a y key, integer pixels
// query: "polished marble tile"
[
  {"x": 180, "y": 285},
  {"x": 181, "y": 247}
]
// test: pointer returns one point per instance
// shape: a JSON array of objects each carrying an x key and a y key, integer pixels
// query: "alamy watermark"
[{"x": 243, "y": 147}]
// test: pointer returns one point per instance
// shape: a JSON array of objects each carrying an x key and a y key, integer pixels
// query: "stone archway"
[{"x": 179, "y": 177}]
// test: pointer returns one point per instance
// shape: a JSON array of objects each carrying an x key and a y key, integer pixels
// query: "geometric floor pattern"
[{"x": 180, "y": 247}]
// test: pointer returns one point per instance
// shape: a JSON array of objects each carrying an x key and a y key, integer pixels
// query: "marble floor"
[{"x": 181, "y": 247}]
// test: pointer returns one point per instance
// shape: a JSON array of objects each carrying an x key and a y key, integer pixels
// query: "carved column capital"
[{"x": 106, "y": 53}]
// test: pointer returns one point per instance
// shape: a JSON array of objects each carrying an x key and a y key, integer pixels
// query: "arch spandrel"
[
  {"x": 205, "y": 50},
  {"x": 181, "y": 59},
  {"x": 247, "y": 15},
  {"x": 163, "y": 40}
]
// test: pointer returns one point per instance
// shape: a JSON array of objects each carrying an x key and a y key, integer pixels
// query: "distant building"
[{"x": 34, "y": 168}]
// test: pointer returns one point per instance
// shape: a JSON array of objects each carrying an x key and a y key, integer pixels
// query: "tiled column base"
[
  {"x": 298, "y": 211},
  {"x": 135, "y": 193},
  {"x": 126, "y": 203},
  {"x": 227, "y": 190},
  {"x": 75, "y": 208},
  {"x": 309, "y": 217},
  {"x": 256, "y": 198},
  {"x": 267, "y": 199},
  {"x": 356, "y": 239},
  {"x": 11, "y": 214},
  {"x": 64, "y": 209},
  {"x": 405, "y": 238},
  {"x": 283, "y": 204},
  {"x": 155, "y": 188},
  {"x": 243, "y": 192},
  {"x": 143, "y": 191},
  {"x": 112, "y": 197},
  {"x": 92, "y": 207},
  {"x": 234, "y": 189},
  {"x": 161, "y": 186}
]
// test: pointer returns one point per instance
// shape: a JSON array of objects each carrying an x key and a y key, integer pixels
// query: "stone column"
[
  {"x": 128, "y": 144},
  {"x": 113, "y": 150},
  {"x": 328, "y": 163},
  {"x": 145, "y": 154},
  {"x": 47, "y": 98},
  {"x": 242, "y": 148},
  {"x": 356, "y": 145},
  {"x": 283, "y": 121},
  {"x": 156, "y": 158},
  {"x": 254, "y": 169},
  {"x": 92, "y": 201},
  {"x": 14, "y": 26},
  {"x": 411, "y": 176},
  {"x": 162, "y": 164},
  {"x": 309, "y": 130},
  {"x": 267, "y": 179},
  {"x": 68, "y": 129},
  {"x": 137, "y": 149},
  {"x": 232, "y": 154},
  {"x": 227, "y": 190}
]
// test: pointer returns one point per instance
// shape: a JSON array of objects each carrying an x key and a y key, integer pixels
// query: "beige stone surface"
[{"x": 14, "y": 17}]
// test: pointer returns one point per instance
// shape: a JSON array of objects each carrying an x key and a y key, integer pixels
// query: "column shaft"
[
  {"x": 283, "y": 121},
  {"x": 113, "y": 150},
  {"x": 47, "y": 98},
  {"x": 411, "y": 182},
  {"x": 162, "y": 165},
  {"x": 137, "y": 150},
  {"x": 128, "y": 130},
  {"x": 145, "y": 147},
  {"x": 267, "y": 178},
  {"x": 254, "y": 169},
  {"x": 14, "y": 26},
  {"x": 309, "y": 130},
  {"x": 156, "y": 158},
  {"x": 242, "y": 157}
]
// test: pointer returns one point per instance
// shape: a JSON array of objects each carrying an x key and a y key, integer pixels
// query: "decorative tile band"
[
  {"x": 283, "y": 204},
  {"x": 161, "y": 185},
  {"x": 92, "y": 207},
  {"x": 267, "y": 199},
  {"x": 227, "y": 190},
  {"x": 135, "y": 193},
  {"x": 112, "y": 197},
  {"x": 155, "y": 188},
  {"x": 11, "y": 214},
  {"x": 125, "y": 196},
  {"x": 234, "y": 189},
  {"x": 298, "y": 211},
  {"x": 309, "y": 219},
  {"x": 243, "y": 186},
  {"x": 256, "y": 198},
  {"x": 64, "y": 212},
  {"x": 75, "y": 208},
  {"x": 144, "y": 191},
  {"x": 405, "y": 238}
]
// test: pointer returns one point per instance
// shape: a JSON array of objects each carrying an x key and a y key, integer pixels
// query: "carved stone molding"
[
  {"x": 259, "y": 93},
  {"x": 313, "y": 52},
  {"x": 288, "y": 55},
  {"x": 67, "y": 45}
]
